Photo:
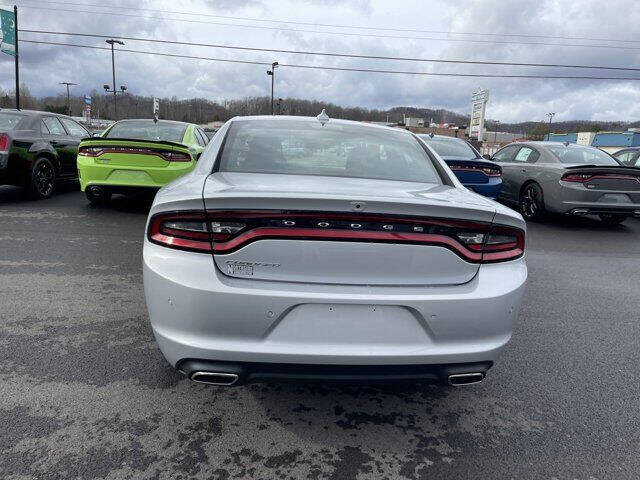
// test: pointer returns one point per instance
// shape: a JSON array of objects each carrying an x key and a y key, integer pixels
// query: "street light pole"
[
  {"x": 272, "y": 74},
  {"x": 550, "y": 115},
  {"x": 111, "y": 42},
  {"x": 68, "y": 84}
]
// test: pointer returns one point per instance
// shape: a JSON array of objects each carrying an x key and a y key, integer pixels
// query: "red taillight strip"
[
  {"x": 164, "y": 154},
  {"x": 198, "y": 241},
  {"x": 313, "y": 234},
  {"x": 224, "y": 244},
  {"x": 182, "y": 243},
  {"x": 461, "y": 168},
  {"x": 568, "y": 177}
]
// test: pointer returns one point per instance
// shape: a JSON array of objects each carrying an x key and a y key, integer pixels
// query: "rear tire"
[
  {"x": 612, "y": 218},
  {"x": 41, "y": 181},
  {"x": 531, "y": 203},
  {"x": 100, "y": 198}
]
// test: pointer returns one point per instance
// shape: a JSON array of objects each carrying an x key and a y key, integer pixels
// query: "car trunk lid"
[
  {"x": 605, "y": 178},
  {"x": 473, "y": 171},
  {"x": 134, "y": 153},
  {"x": 338, "y": 230}
]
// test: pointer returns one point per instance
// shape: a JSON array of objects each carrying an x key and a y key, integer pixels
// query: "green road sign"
[{"x": 8, "y": 29}]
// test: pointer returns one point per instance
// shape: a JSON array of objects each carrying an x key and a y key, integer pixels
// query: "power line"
[
  {"x": 330, "y": 25},
  {"x": 350, "y": 34},
  {"x": 344, "y": 69},
  {"x": 340, "y": 55}
]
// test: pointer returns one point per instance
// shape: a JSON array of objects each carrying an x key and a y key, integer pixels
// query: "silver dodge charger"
[
  {"x": 319, "y": 249},
  {"x": 565, "y": 178}
]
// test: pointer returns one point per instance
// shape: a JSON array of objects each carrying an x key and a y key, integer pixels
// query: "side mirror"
[{"x": 486, "y": 156}]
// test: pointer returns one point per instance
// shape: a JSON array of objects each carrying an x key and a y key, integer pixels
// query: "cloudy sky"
[{"x": 43, "y": 66}]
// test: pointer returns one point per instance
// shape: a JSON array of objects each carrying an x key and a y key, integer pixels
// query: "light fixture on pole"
[
  {"x": 550, "y": 115},
  {"x": 68, "y": 84},
  {"x": 111, "y": 42},
  {"x": 272, "y": 74}
]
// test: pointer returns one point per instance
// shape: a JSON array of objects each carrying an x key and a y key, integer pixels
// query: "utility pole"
[
  {"x": 68, "y": 84},
  {"x": 272, "y": 74},
  {"x": 495, "y": 132},
  {"x": 17, "y": 57},
  {"x": 550, "y": 115},
  {"x": 111, "y": 42}
]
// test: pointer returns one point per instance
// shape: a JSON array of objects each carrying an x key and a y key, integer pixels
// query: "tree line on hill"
[{"x": 201, "y": 111}]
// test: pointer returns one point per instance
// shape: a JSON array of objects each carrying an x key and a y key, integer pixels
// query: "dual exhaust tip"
[
  {"x": 227, "y": 379},
  {"x": 215, "y": 378}
]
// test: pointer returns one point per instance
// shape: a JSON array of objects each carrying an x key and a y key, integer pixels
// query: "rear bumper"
[
  {"x": 196, "y": 312},
  {"x": 241, "y": 373},
  {"x": 92, "y": 173},
  {"x": 578, "y": 200},
  {"x": 490, "y": 189}
]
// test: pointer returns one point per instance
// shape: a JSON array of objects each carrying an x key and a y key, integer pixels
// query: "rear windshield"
[
  {"x": 309, "y": 148},
  {"x": 583, "y": 155},
  {"x": 450, "y": 147},
  {"x": 9, "y": 121},
  {"x": 148, "y": 130}
]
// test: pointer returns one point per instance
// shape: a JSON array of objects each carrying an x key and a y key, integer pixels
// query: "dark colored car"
[
  {"x": 629, "y": 157},
  {"x": 38, "y": 149},
  {"x": 473, "y": 171}
]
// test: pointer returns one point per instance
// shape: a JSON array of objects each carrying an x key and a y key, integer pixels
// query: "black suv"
[{"x": 38, "y": 149}]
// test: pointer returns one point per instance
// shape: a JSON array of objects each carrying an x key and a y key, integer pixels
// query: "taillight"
[
  {"x": 223, "y": 232},
  {"x": 491, "y": 172},
  {"x": 168, "y": 155},
  {"x": 488, "y": 171},
  {"x": 576, "y": 177},
  {"x": 4, "y": 142},
  {"x": 90, "y": 151},
  {"x": 180, "y": 157}
]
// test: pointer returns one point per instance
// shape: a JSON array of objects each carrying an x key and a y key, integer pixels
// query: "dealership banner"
[{"x": 8, "y": 30}]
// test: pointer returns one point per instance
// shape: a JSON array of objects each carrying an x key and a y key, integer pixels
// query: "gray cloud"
[{"x": 511, "y": 99}]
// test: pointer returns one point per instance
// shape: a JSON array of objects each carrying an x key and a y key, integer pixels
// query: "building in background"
[
  {"x": 413, "y": 122},
  {"x": 610, "y": 142}
]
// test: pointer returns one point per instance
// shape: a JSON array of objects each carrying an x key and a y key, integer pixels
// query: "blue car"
[{"x": 473, "y": 171}]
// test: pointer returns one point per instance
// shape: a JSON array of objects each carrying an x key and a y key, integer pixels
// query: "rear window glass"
[
  {"x": 450, "y": 147},
  {"x": 583, "y": 155},
  {"x": 9, "y": 121},
  {"x": 148, "y": 130},
  {"x": 335, "y": 149}
]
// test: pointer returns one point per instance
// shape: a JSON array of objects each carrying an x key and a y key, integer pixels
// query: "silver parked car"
[
  {"x": 304, "y": 248},
  {"x": 567, "y": 178}
]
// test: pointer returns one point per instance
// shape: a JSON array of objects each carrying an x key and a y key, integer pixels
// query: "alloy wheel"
[
  {"x": 44, "y": 179},
  {"x": 530, "y": 202}
]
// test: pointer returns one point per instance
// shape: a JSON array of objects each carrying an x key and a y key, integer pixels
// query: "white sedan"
[{"x": 319, "y": 249}]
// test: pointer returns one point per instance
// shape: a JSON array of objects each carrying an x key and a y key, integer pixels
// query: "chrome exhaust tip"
[
  {"x": 580, "y": 211},
  {"x": 214, "y": 378},
  {"x": 460, "y": 379}
]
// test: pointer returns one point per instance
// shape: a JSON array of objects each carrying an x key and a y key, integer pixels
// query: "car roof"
[
  {"x": 152, "y": 120},
  {"x": 32, "y": 113},
  {"x": 279, "y": 118},
  {"x": 446, "y": 137}
]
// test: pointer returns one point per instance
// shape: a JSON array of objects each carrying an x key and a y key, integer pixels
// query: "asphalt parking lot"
[{"x": 85, "y": 393}]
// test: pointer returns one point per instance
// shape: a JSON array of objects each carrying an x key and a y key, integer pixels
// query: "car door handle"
[{"x": 524, "y": 170}]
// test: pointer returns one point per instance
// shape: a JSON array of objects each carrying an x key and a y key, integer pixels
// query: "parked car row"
[
  {"x": 40, "y": 149},
  {"x": 549, "y": 177}
]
